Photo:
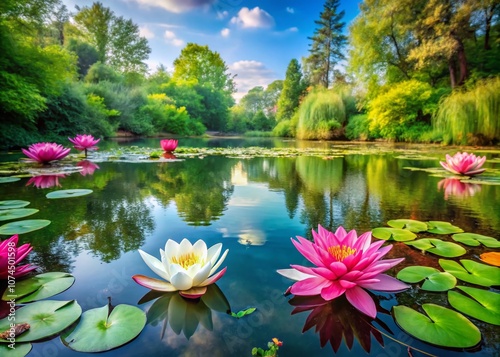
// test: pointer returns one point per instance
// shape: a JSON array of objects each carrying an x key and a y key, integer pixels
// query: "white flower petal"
[
  {"x": 202, "y": 274},
  {"x": 200, "y": 249},
  {"x": 171, "y": 249},
  {"x": 193, "y": 269},
  {"x": 216, "y": 266},
  {"x": 176, "y": 268},
  {"x": 155, "y": 265},
  {"x": 182, "y": 281},
  {"x": 294, "y": 274},
  {"x": 185, "y": 247},
  {"x": 214, "y": 252}
]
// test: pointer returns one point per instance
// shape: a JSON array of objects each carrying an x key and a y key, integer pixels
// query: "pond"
[{"x": 253, "y": 203}]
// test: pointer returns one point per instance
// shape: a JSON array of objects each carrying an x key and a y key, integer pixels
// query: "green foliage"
[
  {"x": 358, "y": 128},
  {"x": 404, "y": 105},
  {"x": 471, "y": 116},
  {"x": 293, "y": 89},
  {"x": 238, "y": 119},
  {"x": 87, "y": 56},
  {"x": 283, "y": 129},
  {"x": 101, "y": 72}
]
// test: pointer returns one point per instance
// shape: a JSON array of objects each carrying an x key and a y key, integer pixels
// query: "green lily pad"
[
  {"x": 439, "y": 247},
  {"x": 242, "y": 313},
  {"x": 16, "y": 213},
  {"x": 443, "y": 327},
  {"x": 24, "y": 226},
  {"x": 68, "y": 193},
  {"x": 484, "y": 305},
  {"x": 39, "y": 287},
  {"x": 397, "y": 234},
  {"x": 472, "y": 272},
  {"x": 439, "y": 227},
  {"x": 99, "y": 330},
  {"x": 475, "y": 240},
  {"x": 9, "y": 204},
  {"x": 21, "y": 350},
  {"x": 434, "y": 280},
  {"x": 9, "y": 179},
  {"x": 410, "y": 224},
  {"x": 46, "y": 318}
]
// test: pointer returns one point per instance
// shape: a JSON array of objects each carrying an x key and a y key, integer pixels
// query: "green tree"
[
  {"x": 253, "y": 101},
  {"x": 86, "y": 53},
  {"x": 327, "y": 45},
  {"x": 293, "y": 88},
  {"x": 271, "y": 96}
]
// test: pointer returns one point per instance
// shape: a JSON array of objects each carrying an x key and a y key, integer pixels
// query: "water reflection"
[
  {"x": 458, "y": 189},
  {"x": 88, "y": 167},
  {"x": 46, "y": 181},
  {"x": 184, "y": 315}
]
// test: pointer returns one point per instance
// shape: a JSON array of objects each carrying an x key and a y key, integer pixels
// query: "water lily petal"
[
  {"x": 200, "y": 249},
  {"x": 181, "y": 280},
  {"x": 202, "y": 274},
  {"x": 154, "y": 284},
  {"x": 307, "y": 249},
  {"x": 294, "y": 274},
  {"x": 310, "y": 286},
  {"x": 332, "y": 291},
  {"x": 194, "y": 293},
  {"x": 154, "y": 264},
  {"x": 185, "y": 247},
  {"x": 214, "y": 252},
  {"x": 362, "y": 301},
  {"x": 214, "y": 278},
  {"x": 346, "y": 284},
  {"x": 171, "y": 249},
  {"x": 385, "y": 283},
  {"x": 216, "y": 266}
]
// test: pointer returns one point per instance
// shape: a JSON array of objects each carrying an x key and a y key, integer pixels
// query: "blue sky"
[{"x": 257, "y": 39}]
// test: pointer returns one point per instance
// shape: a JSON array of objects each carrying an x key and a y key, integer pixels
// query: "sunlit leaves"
[
  {"x": 397, "y": 234},
  {"x": 439, "y": 227},
  {"x": 434, "y": 280},
  {"x": 410, "y": 224},
  {"x": 472, "y": 272},
  {"x": 481, "y": 304},
  {"x": 39, "y": 287},
  {"x": 242, "y": 313},
  {"x": 438, "y": 247},
  {"x": 475, "y": 240}
]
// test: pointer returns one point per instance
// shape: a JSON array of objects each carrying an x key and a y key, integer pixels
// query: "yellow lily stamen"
[
  {"x": 187, "y": 260},
  {"x": 340, "y": 252}
]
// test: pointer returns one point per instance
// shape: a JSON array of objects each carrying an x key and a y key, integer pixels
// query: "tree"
[
  {"x": 86, "y": 53},
  {"x": 327, "y": 45},
  {"x": 293, "y": 88}
]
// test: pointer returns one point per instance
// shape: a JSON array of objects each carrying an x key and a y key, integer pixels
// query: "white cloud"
[
  {"x": 225, "y": 32},
  {"x": 176, "y": 6},
  {"x": 222, "y": 14},
  {"x": 293, "y": 29},
  {"x": 250, "y": 74},
  {"x": 171, "y": 38},
  {"x": 290, "y": 10},
  {"x": 145, "y": 32},
  {"x": 253, "y": 18}
]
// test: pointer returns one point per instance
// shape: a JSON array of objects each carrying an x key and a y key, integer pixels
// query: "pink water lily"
[
  {"x": 85, "y": 143},
  {"x": 169, "y": 144},
  {"x": 344, "y": 263},
  {"x": 88, "y": 167},
  {"x": 11, "y": 255},
  {"x": 187, "y": 268},
  {"x": 455, "y": 187},
  {"x": 464, "y": 164},
  {"x": 44, "y": 153},
  {"x": 45, "y": 181}
]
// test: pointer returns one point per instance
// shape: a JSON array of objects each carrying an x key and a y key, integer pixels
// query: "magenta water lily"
[
  {"x": 187, "y": 268},
  {"x": 464, "y": 164},
  {"x": 11, "y": 255},
  {"x": 169, "y": 144},
  {"x": 344, "y": 263},
  {"x": 45, "y": 153},
  {"x": 84, "y": 142}
]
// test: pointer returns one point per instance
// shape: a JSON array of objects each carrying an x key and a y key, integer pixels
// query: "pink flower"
[
  {"x": 45, "y": 181},
  {"x": 464, "y": 164},
  {"x": 457, "y": 188},
  {"x": 11, "y": 256},
  {"x": 169, "y": 144},
  {"x": 88, "y": 167},
  {"x": 344, "y": 263},
  {"x": 46, "y": 152},
  {"x": 84, "y": 142}
]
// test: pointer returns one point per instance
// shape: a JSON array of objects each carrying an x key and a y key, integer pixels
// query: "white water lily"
[{"x": 187, "y": 268}]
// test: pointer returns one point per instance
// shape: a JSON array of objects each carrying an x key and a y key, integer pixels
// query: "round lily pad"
[
  {"x": 39, "y": 287},
  {"x": 410, "y": 224},
  {"x": 25, "y": 226},
  {"x": 9, "y": 204},
  {"x": 482, "y": 304},
  {"x": 397, "y": 234},
  {"x": 439, "y": 227},
  {"x": 68, "y": 193},
  {"x": 46, "y": 318},
  {"x": 475, "y": 240},
  {"x": 434, "y": 280},
  {"x": 21, "y": 350},
  {"x": 472, "y": 272},
  {"x": 439, "y": 247},
  {"x": 442, "y": 327},
  {"x": 9, "y": 179},
  {"x": 99, "y": 330},
  {"x": 16, "y": 213}
]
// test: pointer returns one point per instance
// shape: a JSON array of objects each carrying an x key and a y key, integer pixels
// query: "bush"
[
  {"x": 283, "y": 129},
  {"x": 358, "y": 128}
]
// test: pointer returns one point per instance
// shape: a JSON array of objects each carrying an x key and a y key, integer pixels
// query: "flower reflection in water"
[
  {"x": 182, "y": 314},
  {"x": 457, "y": 188},
  {"x": 88, "y": 167},
  {"x": 337, "y": 319},
  {"x": 169, "y": 156},
  {"x": 45, "y": 181}
]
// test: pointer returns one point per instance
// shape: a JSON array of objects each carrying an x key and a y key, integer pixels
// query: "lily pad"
[
  {"x": 439, "y": 227},
  {"x": 242, "y": 313},
  {"x": 410, "y": 224},
  {"x": 439, "y": 247},
  {"x": 475, "y": 240},
  {"x": 101, "y": 330},
  {"x": 434, "y": 280},
  {"x": 9, "y": 204},
  {"x": 21, "y": 350},
  {"x": 24, "y": 226},
  {"x": 9, "y": 179},
  {"x": 16, "y": 213},
  {"x": 39, "y": 287},
  {"x": 46, "y": 318},
  {"x": 483, "y": 305},
  {"x": 68, "y": 193},
  {"x": 472, "y": 272},
  {"x": 397, "y": 234},
  {"x": 442, "y": 327}
]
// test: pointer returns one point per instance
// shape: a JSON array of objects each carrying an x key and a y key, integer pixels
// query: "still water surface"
[{"x": 253, "y": 207}]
